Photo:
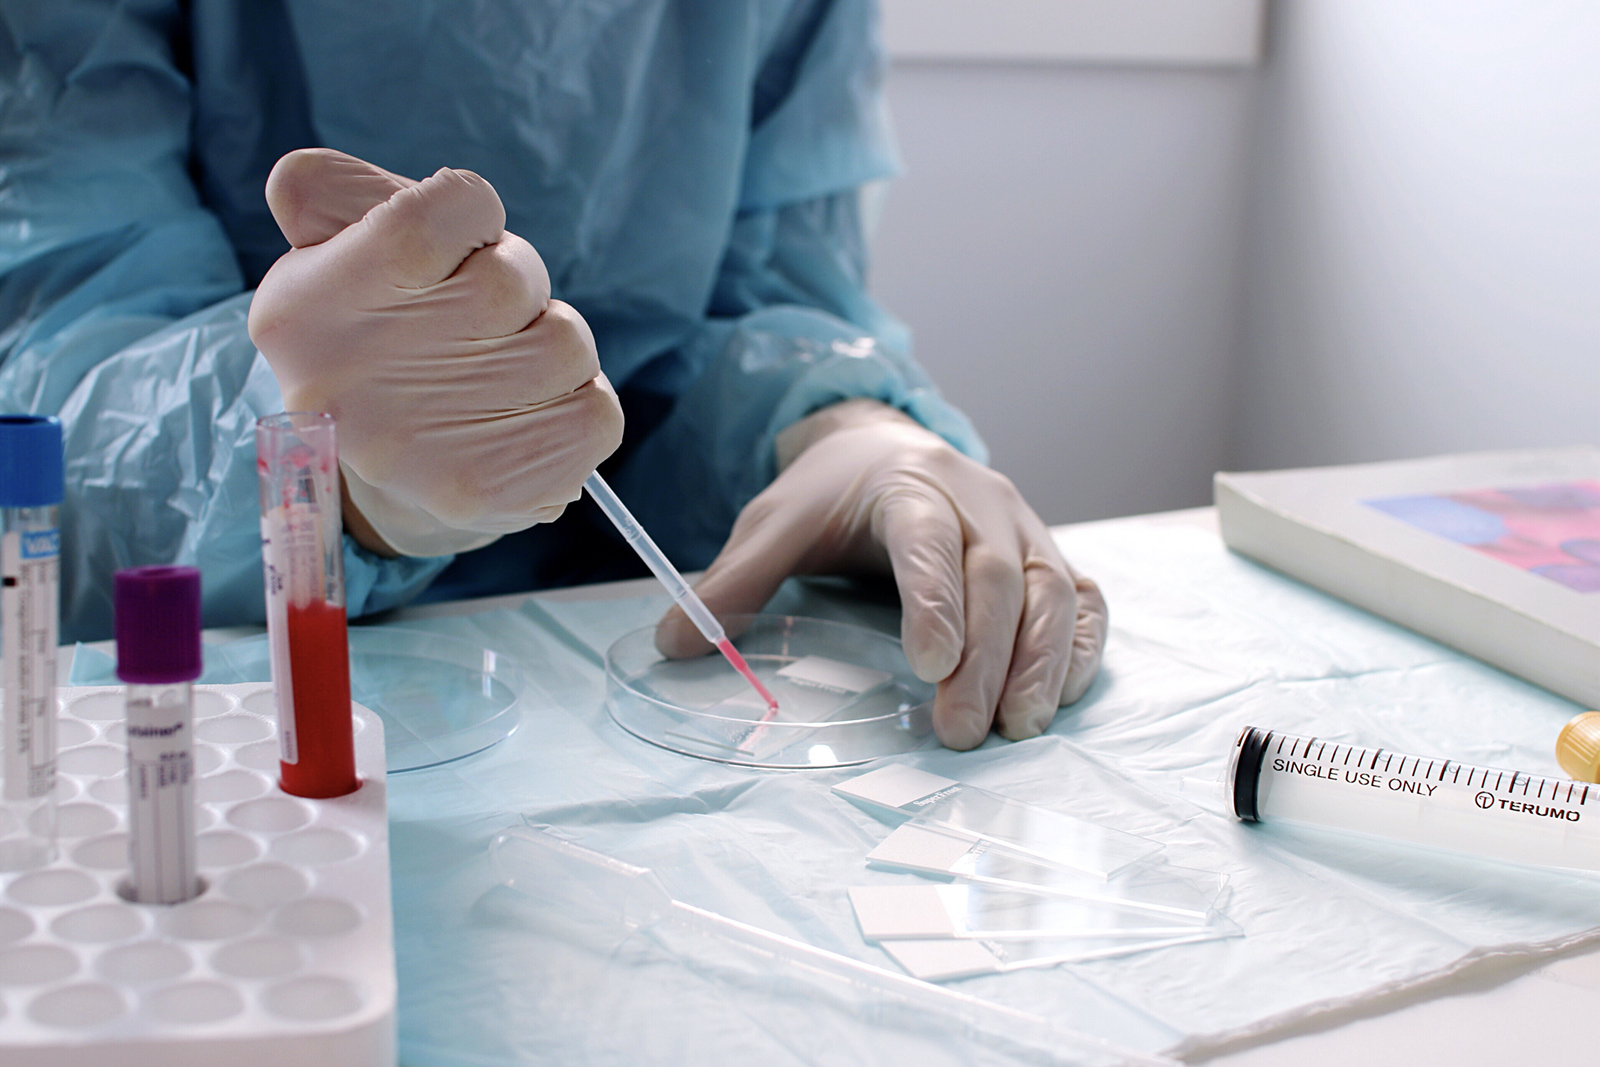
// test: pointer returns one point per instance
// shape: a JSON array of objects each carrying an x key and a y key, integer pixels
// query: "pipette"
[
  {"x": 676, "y": 587},
  {"x": 590, "y": 889},
  {"x": 1509, "y": 815}
]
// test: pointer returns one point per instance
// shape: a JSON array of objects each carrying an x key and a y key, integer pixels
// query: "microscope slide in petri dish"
[{"x": 846, "y": 695}]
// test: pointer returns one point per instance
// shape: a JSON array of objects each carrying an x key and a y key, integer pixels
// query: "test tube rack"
[{"x": 287, "y": 955}]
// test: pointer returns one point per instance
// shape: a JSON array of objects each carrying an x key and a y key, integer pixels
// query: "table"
[
  {"x": 1517, "y": 1012},
  {"x": 1520, "y": 1012}
]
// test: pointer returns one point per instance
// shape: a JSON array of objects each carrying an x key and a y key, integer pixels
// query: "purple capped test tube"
[{"x": 158, "y": 656}]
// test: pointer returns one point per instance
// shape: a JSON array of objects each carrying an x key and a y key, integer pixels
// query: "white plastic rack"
[{"x": 286, "y": 956}]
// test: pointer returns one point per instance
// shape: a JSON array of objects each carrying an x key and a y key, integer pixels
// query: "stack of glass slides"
[
  {"x": 595, "y": 894},
  {"x": 1026, "y": 887}
]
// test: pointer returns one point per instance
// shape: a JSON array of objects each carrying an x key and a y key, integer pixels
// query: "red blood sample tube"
[{"x": 297, "y": 459}]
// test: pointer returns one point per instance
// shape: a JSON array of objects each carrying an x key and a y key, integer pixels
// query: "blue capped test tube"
[{"x": 31, "y": 487}]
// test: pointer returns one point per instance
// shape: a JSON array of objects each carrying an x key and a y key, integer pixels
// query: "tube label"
[
  {"x": 291, "y": 553},
  {"x": 30, "y": 561},
  {"x": 161, "y": 797}
]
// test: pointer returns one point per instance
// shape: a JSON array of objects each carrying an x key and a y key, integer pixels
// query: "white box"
[{"x": 1346, "y": 531}]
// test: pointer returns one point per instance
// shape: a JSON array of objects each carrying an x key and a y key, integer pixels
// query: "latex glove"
[
  {"x": 469, "y": 404},
  {"x": 991, "y": 612}
]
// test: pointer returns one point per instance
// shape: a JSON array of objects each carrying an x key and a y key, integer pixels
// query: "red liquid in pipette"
[
  {"x": 726, "y": 648},
  {"x": 319, "y": 664}
]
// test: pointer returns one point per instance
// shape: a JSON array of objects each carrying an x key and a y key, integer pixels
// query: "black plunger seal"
[{"x": 1247, "y": 756}]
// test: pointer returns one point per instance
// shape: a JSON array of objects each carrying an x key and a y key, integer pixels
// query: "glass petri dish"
[
  {"x": 846, "y": 695},
  {"x": 440, "y": 698}
]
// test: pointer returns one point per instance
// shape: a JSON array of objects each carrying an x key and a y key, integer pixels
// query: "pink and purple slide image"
[{"x": 1551, "y": 530}]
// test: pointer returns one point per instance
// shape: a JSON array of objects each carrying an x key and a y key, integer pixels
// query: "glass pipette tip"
[{"x": 673, "y": 582}]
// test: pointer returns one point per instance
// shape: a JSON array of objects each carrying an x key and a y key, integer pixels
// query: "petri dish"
[
  {"x": 440, "y": 698},
  {"x": 846, "y": 695}
]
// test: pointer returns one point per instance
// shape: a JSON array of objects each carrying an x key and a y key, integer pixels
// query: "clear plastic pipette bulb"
[
  {"x": 676, "y": 587},
  {"x": 597, "y": 891}
]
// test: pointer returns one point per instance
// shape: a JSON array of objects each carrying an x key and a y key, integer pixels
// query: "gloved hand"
[
  {"x": 469, "y": 404},
  {"x": 991, "y": 612}
]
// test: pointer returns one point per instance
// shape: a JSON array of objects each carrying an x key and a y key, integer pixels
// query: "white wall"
[
  {"x": 1064, "y": 246},
  {"x": 1424, "y": 269},
  {"x": 1138, "y": 32},
  {"x": 1384, "y": 243}
]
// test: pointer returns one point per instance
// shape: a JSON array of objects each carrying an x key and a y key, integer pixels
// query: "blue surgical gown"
[{"x": 689, "y": 170}]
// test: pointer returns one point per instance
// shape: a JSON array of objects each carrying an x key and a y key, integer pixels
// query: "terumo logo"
[{"x": 1549, "y": 811}]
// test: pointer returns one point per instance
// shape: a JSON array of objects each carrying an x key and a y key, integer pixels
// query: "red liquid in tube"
[
  {"x": 319, "y": 664},
  {"x": 297, "y": 463}
]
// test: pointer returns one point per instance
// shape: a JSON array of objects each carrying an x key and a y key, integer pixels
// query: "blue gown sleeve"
[
  {"x": 789, "y": 328},
  {"x": 121, "y": 310}
]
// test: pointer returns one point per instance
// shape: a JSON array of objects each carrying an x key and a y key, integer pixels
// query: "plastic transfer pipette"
[
  {"x": 585, "y": 887},
  {"x": 676, "y": 587}
]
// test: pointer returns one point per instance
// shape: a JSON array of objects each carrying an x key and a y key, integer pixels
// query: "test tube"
[
  {"x": 158, "y": 656},
  {"x": 297, "y": 458},
  {"x": 1509, "y": 815},
  {"x": 31, "y": 487}
]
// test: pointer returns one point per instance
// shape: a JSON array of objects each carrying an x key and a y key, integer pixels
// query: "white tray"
[{"x": 288, "y": 954}]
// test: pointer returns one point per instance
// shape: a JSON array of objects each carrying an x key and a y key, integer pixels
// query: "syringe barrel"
[{"x": 1441, "y": 803}]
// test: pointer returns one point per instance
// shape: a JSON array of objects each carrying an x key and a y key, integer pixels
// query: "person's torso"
[{"x": 613, "y": 130}]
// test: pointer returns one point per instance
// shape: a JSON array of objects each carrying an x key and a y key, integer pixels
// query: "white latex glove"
[
  {"x": 469, "y": 404},
  {"x": 991, "y": 612}
]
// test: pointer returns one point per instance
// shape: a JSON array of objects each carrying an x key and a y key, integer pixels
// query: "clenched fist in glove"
[
  {"x": 991, "y": 612},
  {"x": 469, "y": 403}
]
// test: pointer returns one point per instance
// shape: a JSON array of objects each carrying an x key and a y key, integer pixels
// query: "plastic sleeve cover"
[
  {"x": 121, "y": 311},
  {"x": 790, "y": 328},
  {"x": 161, "y": 468}
]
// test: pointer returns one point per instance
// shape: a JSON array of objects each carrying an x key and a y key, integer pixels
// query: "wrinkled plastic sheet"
[{"x": 1202, "y": 643}]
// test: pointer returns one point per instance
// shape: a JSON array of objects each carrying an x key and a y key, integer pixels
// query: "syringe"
[
  {"x": 1525, "y": 818},
  {"x": 676, "y": 587}
]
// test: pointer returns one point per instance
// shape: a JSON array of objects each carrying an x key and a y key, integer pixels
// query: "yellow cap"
[{"x": 1578, "y": 747}]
